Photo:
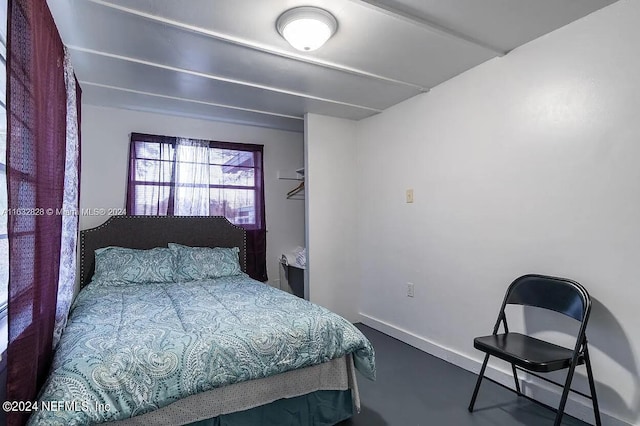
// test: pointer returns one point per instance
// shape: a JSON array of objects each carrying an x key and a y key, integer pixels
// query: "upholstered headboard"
[{"x": 145, "y": 232}]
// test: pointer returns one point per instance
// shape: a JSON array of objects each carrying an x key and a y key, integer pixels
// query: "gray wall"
[{"x": 332, "y": 207}]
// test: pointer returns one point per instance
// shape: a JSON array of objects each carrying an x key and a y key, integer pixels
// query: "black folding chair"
[{"x": 532, "y": 355}]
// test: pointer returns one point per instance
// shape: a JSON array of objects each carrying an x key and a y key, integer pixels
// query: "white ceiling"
[{"x": 224, "y": 59}]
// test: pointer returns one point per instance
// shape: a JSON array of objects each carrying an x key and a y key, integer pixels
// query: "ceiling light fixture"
[{"x": 306, "y": 28}]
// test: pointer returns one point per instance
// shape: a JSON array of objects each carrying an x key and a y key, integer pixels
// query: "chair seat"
[{"x": 526, "y": 351}]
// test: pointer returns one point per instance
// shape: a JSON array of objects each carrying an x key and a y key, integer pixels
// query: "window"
[{"x": 187, "y": 177}]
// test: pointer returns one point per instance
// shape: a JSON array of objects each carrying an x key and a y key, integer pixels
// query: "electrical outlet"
[
  {"x": 409, "y": 195},
  {"x": 410, "y": 290}
]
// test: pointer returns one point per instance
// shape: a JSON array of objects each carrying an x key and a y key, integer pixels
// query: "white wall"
[
  {"x": 105, "y": 151},
  {"x": 331, "y": 209},
  {"x": 527, "y": 163}
]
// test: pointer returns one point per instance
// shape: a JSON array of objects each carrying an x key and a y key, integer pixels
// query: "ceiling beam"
[
  {"x": 220, "y": 78},
  {"x": 249, "y": 44},
  {"x": 193, "y": 101},
  {"x": 430, "y": 25}
]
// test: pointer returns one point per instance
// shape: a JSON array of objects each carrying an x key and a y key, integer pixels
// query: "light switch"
[{"x": 409, "y": 195}]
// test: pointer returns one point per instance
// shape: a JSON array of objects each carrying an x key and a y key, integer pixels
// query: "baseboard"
[{"x": 576, "y": 406}]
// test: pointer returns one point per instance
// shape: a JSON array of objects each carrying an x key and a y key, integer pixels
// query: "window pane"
[
  {"x": 153, "y": 171},
  {"x": 3, "y": 205},
  {"x": 237, "y": 205},
  {"x": 151, "y": 199},
  {"x": 3, "y": 85},
  {"x": 154, "y": 150},
  {"x": 239, "y": 176},
  {"x": 3, "y": 28},
  {"x": 230, "y": 158},
  {"x": 4, "y": 269},
  {"x": 192, "y": 174},
  {"x": 3, "y": 133}
]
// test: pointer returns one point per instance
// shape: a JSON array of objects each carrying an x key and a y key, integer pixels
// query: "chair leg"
[
  {"x": 565, "y": 394},
  {"x": 515, "y": 378},
  {"x": 477, "y": 388},
  {"x": 592, "y": 387}
]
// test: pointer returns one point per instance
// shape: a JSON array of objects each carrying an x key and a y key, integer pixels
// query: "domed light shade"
[{"x": 306, "y": 28}]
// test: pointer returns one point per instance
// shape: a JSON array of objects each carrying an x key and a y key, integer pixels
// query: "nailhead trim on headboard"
[{"x": 109, "y": 222}]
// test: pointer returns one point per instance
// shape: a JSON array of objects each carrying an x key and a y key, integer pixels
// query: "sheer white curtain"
[
  {"x": 192, "y": 178},
  {"x": 69, "y": 236}
]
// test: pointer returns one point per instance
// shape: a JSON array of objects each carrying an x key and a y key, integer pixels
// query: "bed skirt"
[
  {"x": 296, "y": 388},
  {"x": 320, "y": 408}
]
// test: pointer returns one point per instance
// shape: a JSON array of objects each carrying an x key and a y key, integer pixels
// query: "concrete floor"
[{"x": 414, "y": 388}]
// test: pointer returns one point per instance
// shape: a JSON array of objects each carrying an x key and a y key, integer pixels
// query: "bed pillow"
[
  {"x": 201, "y": 263},
  {"x": 119, "y": 264}
]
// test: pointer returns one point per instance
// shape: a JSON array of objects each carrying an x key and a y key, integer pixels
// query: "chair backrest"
[{"x": 557, "y": 294}]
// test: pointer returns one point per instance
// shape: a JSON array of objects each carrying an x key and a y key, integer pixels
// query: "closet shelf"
[{"x": 298, "y": 175}]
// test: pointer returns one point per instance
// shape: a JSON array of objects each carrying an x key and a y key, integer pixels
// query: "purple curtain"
[
  {"x": 188, "y": 177},
  {"x": 36, "y": 106}
]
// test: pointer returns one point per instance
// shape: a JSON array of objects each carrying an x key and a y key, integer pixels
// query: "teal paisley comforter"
[{"x": 137, "y": 347}]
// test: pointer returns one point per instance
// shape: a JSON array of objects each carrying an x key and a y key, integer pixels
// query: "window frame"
[{"x": 258, "y": 179}]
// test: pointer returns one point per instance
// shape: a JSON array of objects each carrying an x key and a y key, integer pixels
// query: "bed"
[{"x": 209, "y": 346}]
